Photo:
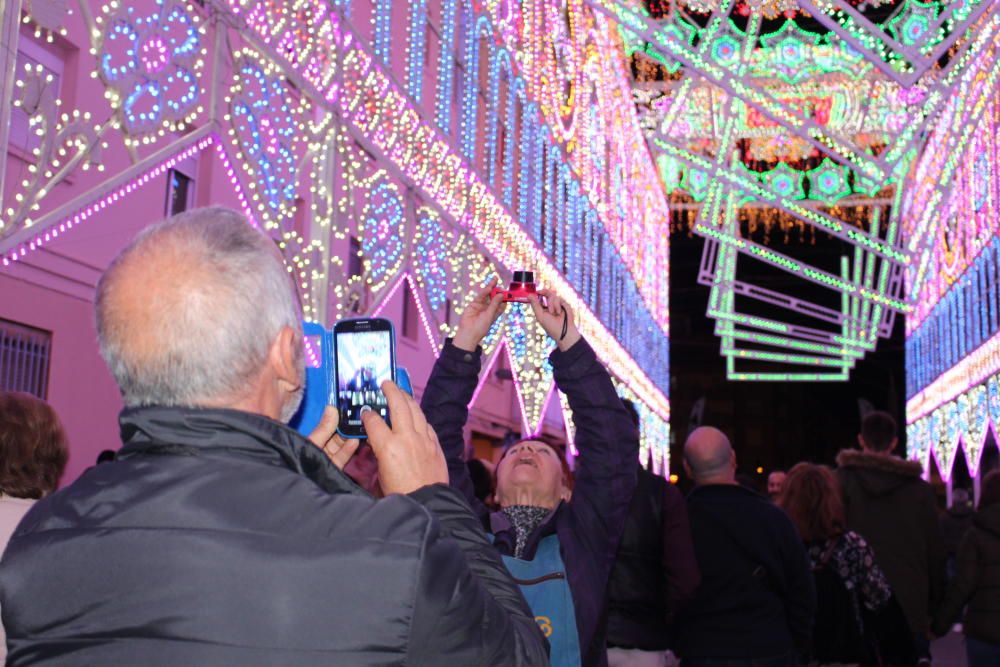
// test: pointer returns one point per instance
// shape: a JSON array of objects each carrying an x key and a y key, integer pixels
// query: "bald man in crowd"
[{"x": 757, "y": 600}]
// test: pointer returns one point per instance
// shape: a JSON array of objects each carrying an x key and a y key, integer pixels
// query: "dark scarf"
[{"x": 524, "y": 518}]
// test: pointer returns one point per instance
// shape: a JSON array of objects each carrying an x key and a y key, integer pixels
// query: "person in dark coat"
[
  {"x": 858, "y": 620},
  {"x": 220, "y": 536},
  {"x": 977, "y": 582},
  {"x": 655, "y": 573},
  {"x": 888, "y": 502},
  {"x": 757, "y": 600},
  {"x": 559, "y": 549},
  {"x": 956, "y": 520}
]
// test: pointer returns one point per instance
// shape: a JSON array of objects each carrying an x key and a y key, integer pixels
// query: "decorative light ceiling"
[{"x": 808, "y": 115}]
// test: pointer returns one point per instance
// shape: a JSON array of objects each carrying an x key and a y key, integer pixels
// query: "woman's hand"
[
  {"x": 477, "y": 319},
  {"x": 556, "y": 318}
]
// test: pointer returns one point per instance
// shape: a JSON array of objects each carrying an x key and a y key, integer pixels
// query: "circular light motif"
[
  {"x": 914, "y": 29},
  {"x": 791, "y": 51},
  {"x": 151, "y": 64},
  {"x": 154, "y": 55},
  {"x": 782, "y": 184},
  {"x": 725, "y": 50}
]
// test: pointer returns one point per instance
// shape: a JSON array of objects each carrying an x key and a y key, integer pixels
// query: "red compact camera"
[{"x": 521, "y": 288}]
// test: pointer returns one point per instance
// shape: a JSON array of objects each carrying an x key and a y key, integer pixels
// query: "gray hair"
[{"x": 205, "y": 297}]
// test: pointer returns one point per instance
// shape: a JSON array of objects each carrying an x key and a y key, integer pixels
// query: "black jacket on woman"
[
  {"x": 589, "y": 526},
  {"x": 858, "y": 620},
  {"x": 977, "y": 581},
  {"x": 221, "y": 537}
]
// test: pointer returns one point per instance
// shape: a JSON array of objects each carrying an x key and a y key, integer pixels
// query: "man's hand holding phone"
[
  {"x": 325, "y": 436},
  {"x": 477, "y": 319},
  {"x": 409, "y": 455}
]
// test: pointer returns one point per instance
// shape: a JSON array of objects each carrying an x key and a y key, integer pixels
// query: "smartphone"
[{"x": 364, "y": 353}]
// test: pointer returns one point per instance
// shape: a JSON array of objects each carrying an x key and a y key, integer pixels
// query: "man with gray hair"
[
  {"x": 757, "y": 600},
  {"x": 220, "y": 536}
]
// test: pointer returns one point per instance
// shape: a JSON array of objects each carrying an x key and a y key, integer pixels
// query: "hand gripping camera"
[{"x": 520, "y": 289}]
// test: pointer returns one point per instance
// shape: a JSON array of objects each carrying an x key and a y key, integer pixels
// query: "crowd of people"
[{"x": 218, "y": 535}]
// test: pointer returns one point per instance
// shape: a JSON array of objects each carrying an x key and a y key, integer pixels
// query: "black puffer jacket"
[
  {"x": 977, "y": 581},
  {"x": 889, "y": 505},
  {"x": 224, "y": 538}
]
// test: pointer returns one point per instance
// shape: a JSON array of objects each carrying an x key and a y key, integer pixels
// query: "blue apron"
[{"x": 544, "y": 585}]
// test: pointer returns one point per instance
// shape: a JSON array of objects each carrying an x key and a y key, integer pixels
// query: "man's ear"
[
  {"x": 892, "y": 447},
  {"x": 283, "y": 357},
  {"x": 565, "y": 493},
  {"x": 861, "y": 442},
  {"x": 732, "y": 459},
  {"x": 687, "y": 469}
]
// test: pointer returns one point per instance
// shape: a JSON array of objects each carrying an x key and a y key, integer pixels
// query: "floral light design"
[{"x": 151, "y": 66}]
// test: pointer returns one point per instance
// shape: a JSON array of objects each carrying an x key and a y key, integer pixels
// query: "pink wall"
[{"x": 80, "y": 387}]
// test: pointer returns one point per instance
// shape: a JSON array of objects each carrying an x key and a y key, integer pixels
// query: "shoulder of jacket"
[
  {"x": 397, "y": 518},
  {"x": 849, "y": 459}
]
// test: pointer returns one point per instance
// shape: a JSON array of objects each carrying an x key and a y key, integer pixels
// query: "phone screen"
[{"x": 364, "y": 362}]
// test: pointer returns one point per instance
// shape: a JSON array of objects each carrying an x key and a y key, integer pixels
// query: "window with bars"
[{"x": 24, "y": 359}]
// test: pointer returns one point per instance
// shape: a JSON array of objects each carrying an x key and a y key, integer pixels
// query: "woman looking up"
[{"x": 559, "y": 546}]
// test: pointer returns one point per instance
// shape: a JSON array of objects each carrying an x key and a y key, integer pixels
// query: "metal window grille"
[{"x": 24, "y": 359}]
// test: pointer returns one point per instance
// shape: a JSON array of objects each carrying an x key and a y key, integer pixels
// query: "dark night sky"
[{"x": 771, "y": 424}]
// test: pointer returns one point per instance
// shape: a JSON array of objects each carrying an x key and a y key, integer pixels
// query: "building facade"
[
  {"x": 952, "y": 220},
  {"x": 400, "y": 154}
]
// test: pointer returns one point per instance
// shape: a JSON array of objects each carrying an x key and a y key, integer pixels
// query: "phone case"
[{"x": 317, "y": 391}]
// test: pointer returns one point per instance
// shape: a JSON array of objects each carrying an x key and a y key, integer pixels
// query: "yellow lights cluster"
[{"x": 59, "y": 143}]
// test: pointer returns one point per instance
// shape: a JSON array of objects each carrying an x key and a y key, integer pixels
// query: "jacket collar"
[
  {"x": 853, "y": 458},
  {"x": 204, "y": 431}
]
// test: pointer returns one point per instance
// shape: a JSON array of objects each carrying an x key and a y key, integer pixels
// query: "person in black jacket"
[
  {"x": 976, "y": 586},
  {"x": 220, "y": 536},
  {"x": 756, "y": 603},
  {"x": 955, "y": 522},
  {"x": 655, "y": 572},
  {"x": 560, "y": 549},
  {"x": 887, "y": 501}
]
